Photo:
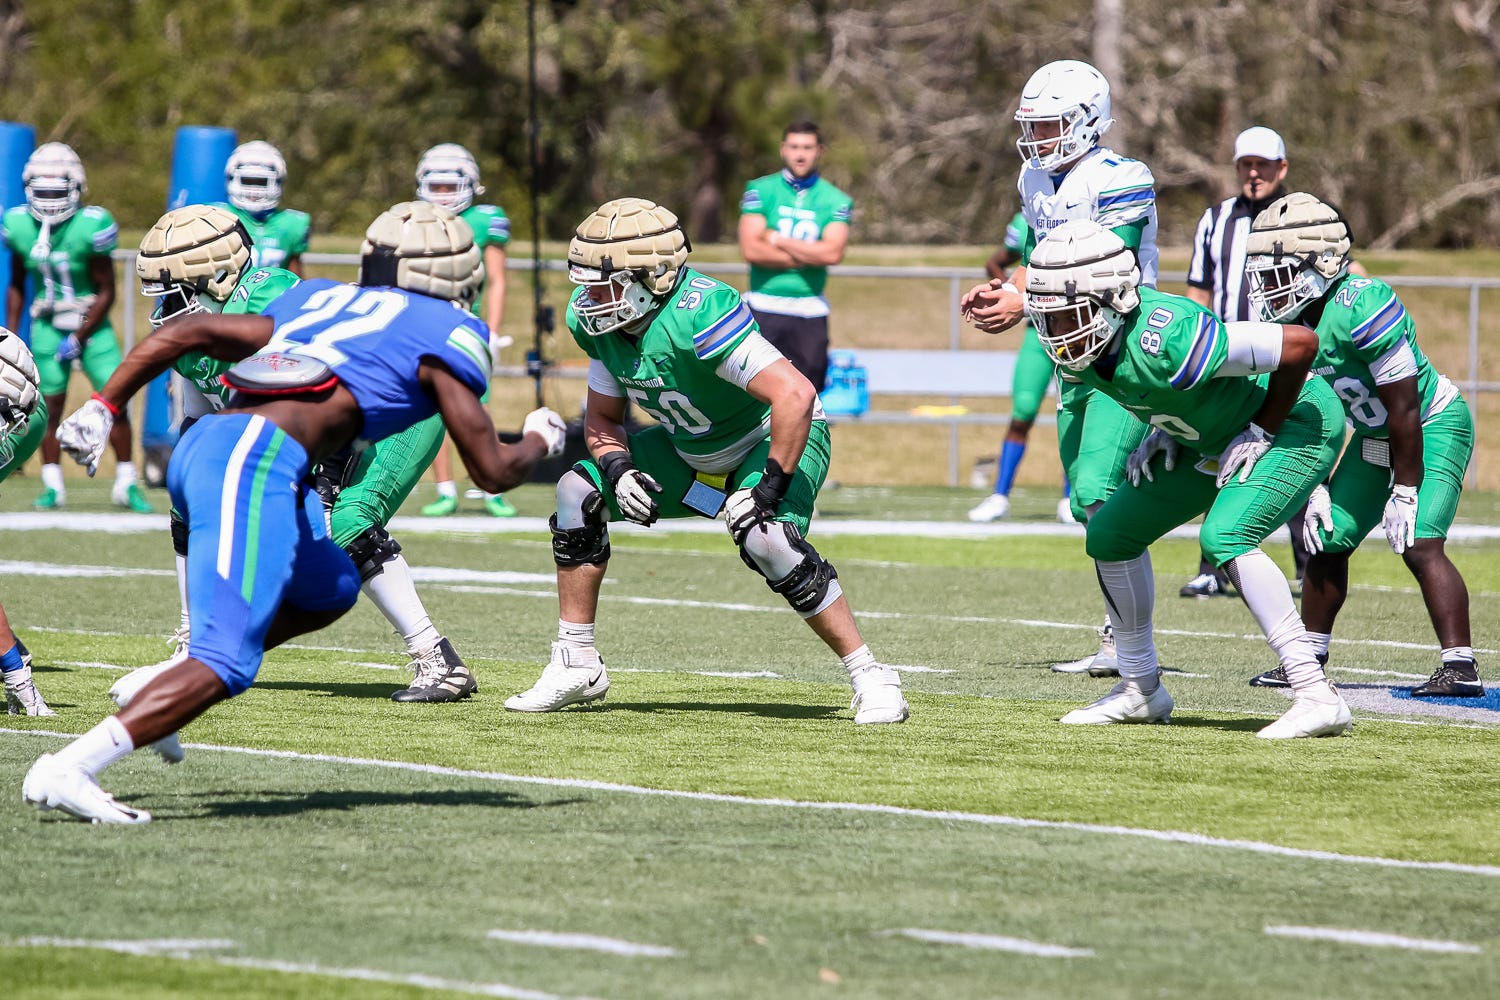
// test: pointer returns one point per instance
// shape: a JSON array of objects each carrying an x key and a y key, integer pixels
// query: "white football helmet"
[
  {"x": 1080, "y": 285},
  {"x": 54, "y": 181},
  {"x": 1075, "y": 97},
  {"x": 19, "y": 394},
  {"x": 448, "y": 175},
  {"x": 191, "y": 260},
  {"x": 628, "y": 255},
  {"x": 1297, "y": 247},
  {"x": 422, "y": 248},
  {"x": 254, "y": 175}
]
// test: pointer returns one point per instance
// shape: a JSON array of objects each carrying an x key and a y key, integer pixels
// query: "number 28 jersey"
[
  {"x": 1364, "y": 336},
  {"x": 374, "y": 340},
  {"x": 670, "y": 369}
]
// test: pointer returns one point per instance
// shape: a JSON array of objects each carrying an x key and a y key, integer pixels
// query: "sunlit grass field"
[{"x": 719, "y": 827}]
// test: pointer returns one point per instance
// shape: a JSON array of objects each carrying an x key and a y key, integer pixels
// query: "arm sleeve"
[
  {"x": 750, "y": 201},
  {"x": 1132, "y": 233},
  {"x": 1250, "y": 349},
  {"x": 1395, "y": 365},
  {"x": 1128, "y": 195},
  {"x": 753, "y": 355},
  {"x": 601, "y": 381}
]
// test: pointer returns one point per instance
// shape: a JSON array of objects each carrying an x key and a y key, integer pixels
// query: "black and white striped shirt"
[{"x": 1218, "y": 264}]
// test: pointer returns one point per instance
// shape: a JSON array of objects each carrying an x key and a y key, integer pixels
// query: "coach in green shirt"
[{"x": 793, "y": 225}]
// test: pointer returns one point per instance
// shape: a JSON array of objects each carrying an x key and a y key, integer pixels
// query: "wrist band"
[{"x": 114, "y": 410}]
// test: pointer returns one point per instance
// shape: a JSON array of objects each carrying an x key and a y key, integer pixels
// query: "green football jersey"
[
  {"x": 1161, "y": 368},
  {"x": 798, "y": 210},
  {"x": 669, "y": 368},
  {"x": 61, "y": 267},
  {"x": 256, "y": 290},
  {"x": 1017, "y": 233},
  {"x": 491, "y": 228},
  {"x": 275, "y": 237},
  {"x": 1361, "y": 331}
]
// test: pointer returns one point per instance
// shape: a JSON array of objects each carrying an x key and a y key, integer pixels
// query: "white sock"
[
  {"x": 124, "y": 473},
  {"x": 1130, "y": 589},
  {"x": 182, "y": 589},
  {"x": 1320, "y": 641},
  {"x": 448, "y": 488},
  {"x": 52, "y": 479},
  {"x": 1269, "y": 598},
  {"x": 105, "y": 744},
  {"x": 859, "y": 661},
  {"x": 575, "y": 635},
  {"x": 1453, "y": 653},
  {"x": 394, "y": 592}
]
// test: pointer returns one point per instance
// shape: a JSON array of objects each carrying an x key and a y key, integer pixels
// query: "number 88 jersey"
[
  {"x": 669, "y": 367},
  {"x": 375, "y": 340}
]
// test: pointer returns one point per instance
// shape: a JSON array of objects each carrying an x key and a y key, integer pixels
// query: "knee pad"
[
  {"x": 580, "y": 528},
  {"x": 179, "y": 534},
  {"x": 370, "y": 550},
  {"x": 333, "y": 474},
  {"x": 792, "y": 567}
]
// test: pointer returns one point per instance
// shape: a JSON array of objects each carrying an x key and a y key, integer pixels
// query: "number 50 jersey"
[
  {"x": 375, "y": 340},
  {"x": 672, "y": 368}
]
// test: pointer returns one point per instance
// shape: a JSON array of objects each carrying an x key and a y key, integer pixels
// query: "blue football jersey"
[{"x": 374, "y": 340}]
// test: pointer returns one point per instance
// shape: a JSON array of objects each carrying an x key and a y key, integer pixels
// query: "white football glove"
[
  {"x": 551, "y": 426},
  {"x": 1319, "y": 514},
  {"x": 1401, "y": 518},
  {"x": 1243, "y": 452},
  {"x": 84, "y": 434},
  {"x": 1139, "y": 462},
  {"x": 633, "y": 492}
]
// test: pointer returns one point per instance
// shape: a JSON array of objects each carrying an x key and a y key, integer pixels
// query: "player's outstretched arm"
[
  {"x": 494, "y": 467},
  {"x": 224, "y": 338}
]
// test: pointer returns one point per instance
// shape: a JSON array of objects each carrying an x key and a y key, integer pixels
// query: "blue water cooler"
[
  {"x": 199, "y": 156},
  {"x": 16, "y": 144},
  {"x": 848, "y": 392}
]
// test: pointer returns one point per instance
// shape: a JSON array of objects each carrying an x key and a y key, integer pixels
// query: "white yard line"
[
  {"x": 121, "y": 524},
  {"x": 439, "y": 578},
  {"x": 583, "y": 942},
  {"x": 700, "y": 673},
  {"x": 941, "y": 815},
  {"x": 992, "y": 942},
  {"x": 1374, "y": 939},
  {"x": 189, "y": 950}
]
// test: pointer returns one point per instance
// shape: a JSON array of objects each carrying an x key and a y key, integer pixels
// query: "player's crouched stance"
[
  {"x": 326, "y": 364},
  {"x": 738, "y": 429},
  {"x": 1244, "y": 438}
]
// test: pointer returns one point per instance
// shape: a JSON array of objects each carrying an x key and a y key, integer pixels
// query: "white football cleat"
[
  {"x": 572, "y": 677},
  {"x": 1065, "y": 511},
  {"x": 1103, "y": 663},
  {"x": 992, "y": 508},
  {"x": 877, "y": 697},
  {"x": 21, "y": 695},
  {"x": 1126, "y": 702},
  {"x": 125, "y": 688},
  {"x": 1319, "y": 711},
  {"x": 51, "y": 784}
]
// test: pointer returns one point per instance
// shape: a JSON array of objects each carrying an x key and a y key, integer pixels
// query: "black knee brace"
[
  {"x": 807, "y": 584},
  {"x": 333, "y": 474},
  {"x": 370, "y": 550},
  {"x": 585, "y": 546},
  {"x": 179, "y": 534}
]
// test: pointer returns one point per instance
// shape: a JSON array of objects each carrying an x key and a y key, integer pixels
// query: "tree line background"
[{"x": 1390, "y": 108}]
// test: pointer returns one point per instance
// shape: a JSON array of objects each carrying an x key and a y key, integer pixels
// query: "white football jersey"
[{"x": 1111, "y": 189}]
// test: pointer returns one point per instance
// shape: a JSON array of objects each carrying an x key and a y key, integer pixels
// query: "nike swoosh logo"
[{"x": 596, "y": 678}]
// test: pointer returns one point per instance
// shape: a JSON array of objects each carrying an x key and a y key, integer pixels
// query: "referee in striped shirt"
[{"x": 1216, "y": 279}]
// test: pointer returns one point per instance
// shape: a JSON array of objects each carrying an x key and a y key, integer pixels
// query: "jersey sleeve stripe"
[
  {"x": 1385, "y": 319},
  {"x": 1192, "y": 370},
  {"x": 726, "y": 331},
  {"x": 750, "y": 202},
  {"x": 105, "y": 239},
  {"x": 467, "y": 341},
  {"x": 1128, "y": 197}
]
